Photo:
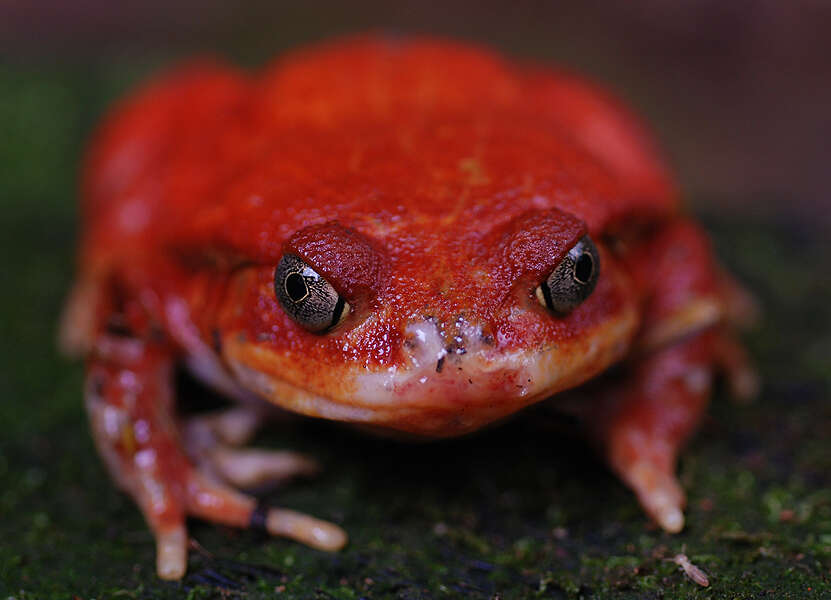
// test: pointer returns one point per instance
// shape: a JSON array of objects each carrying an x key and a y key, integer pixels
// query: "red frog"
[{"x": 412, "y": 236}]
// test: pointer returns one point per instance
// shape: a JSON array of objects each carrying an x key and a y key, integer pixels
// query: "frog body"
[{"x": 413, "y": 236}]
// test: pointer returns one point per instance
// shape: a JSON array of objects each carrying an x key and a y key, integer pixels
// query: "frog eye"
[
  {"x": 572, "y": 280},
  {"x": 307, "y": 297}
]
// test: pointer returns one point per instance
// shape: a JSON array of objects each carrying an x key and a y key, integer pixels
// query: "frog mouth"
[{"x": 437, "y": 391}]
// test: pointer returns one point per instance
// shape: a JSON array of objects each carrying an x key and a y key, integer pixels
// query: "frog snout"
[{"x": 435, "y": 341}]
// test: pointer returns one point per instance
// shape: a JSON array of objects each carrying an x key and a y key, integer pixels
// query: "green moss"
[{"x": 519, "y": 511}]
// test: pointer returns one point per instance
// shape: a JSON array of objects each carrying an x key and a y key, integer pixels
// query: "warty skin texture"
[{"x": 435, "y": 200}]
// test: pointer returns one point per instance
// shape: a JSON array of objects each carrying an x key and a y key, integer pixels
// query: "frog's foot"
[
  {"x": 129, "y": 401},
  {"x": 219, "y": 503},
  {"x": 216, "y": 502},
  {"x": 212, "y": 441}
]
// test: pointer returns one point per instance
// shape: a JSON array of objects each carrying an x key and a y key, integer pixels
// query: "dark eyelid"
[
  {"x": 352, "y": 262},
  {"x": 525, "y": 249}
]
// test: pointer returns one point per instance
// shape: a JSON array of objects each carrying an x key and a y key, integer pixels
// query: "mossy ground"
[{"x": 519, "y": 511}]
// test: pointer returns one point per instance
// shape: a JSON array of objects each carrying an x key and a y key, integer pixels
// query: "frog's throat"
[{"x": 466, "y": 393}]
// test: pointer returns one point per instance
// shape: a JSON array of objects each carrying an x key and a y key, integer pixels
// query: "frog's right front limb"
[{"x": 131, "y": 409}]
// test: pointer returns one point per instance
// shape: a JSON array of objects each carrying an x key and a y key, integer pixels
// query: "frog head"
[{"x": 432, "y": 327}]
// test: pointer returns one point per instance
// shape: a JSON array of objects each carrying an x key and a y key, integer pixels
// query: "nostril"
[
  {"x": 424, "y": 342},
  {"x": 433, "y": 341}
]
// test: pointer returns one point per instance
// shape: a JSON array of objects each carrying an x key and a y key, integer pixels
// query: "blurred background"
[
  {"x": 738, "y": 94},
  {"x": 738, "y": 91}
]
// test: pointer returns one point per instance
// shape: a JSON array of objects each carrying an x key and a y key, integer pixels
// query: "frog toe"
[
  {"x": 212, "y": 442},
  {"x": 216, "y": 502},
  {"x": 659, "y": 493},
  {"x": 305, "y": 529},
  {"x": 252, "y": 467},
  {"x": 235, "y": 427},
  {"x": 171, "y": 552}
]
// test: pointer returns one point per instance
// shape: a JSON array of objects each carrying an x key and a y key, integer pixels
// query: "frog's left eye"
[
  {"x": 307, "y": 297},
  {"x": 573, "y": 280}
]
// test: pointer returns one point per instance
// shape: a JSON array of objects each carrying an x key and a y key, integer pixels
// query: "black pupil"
[
  {"x": 296, "y": 287},
  {"x": 584, "y": 268}
]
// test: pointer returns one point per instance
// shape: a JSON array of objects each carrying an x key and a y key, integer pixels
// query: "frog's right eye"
[
  {"x": 573, "y": 280},
  {"x": 307, "y": 297}
]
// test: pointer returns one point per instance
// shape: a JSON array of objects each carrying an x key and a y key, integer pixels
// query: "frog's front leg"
[
  {"x": 131, "y": 408},
  {"x": 643, "y": 417},
  {"x": 641, "y": 421}
]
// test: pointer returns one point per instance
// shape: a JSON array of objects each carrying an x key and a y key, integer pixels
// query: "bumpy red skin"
[
  {"x": 428, "y": 182},
  {"x": 443, "y": 143}
]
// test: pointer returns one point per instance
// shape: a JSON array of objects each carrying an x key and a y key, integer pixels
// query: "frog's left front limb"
[
  {"x": 643, "y": 416},
  {"x": 131, "y": 408}
]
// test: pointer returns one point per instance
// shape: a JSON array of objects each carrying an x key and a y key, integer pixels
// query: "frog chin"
[{"x": 436, "y": 392}]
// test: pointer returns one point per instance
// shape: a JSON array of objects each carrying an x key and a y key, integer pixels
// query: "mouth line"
[{"x": 437, "y": 393}]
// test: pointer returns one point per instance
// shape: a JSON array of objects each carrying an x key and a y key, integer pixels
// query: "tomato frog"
[{"x": 408, "y": 235}]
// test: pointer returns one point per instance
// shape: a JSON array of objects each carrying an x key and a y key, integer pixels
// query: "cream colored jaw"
[{"x": 467, "y": 393}]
